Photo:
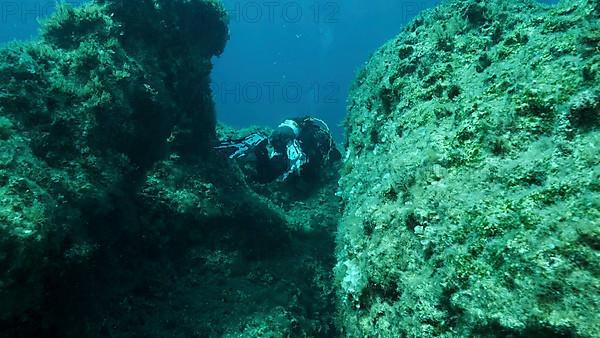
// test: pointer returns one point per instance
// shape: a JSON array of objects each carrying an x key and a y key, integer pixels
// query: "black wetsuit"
[
  {"x": 318, "y": 145},
  {"x": 306, "y": 139}
]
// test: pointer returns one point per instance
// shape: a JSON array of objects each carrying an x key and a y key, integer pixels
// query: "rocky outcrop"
[
  {"x": 471, "y": 179},
  {"x": 84, "y": 114},
  {"x": 117, "y": 218}
]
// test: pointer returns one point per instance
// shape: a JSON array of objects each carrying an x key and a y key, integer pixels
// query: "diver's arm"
[{"x": 241, "y": 147}]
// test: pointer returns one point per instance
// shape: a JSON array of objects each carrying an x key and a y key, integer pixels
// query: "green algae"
[
  {"x": 73, "y": 143},
  {"x": 471, "y": 179},
  {"x": 117, "y": 218}
]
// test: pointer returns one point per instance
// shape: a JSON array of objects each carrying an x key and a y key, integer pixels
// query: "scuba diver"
[{"x": 298, "y": 147}]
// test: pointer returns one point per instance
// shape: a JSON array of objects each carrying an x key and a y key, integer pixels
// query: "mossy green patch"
[
  {"x": 117, "y": 218},
  {"x": 471, "y": 179}
]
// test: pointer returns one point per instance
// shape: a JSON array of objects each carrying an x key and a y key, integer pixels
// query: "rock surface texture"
[
  {"x": 116, "y": 217},
  {"x": 471, "y": 184}
]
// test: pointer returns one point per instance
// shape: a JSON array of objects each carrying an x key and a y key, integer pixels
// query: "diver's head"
[
  {"x": 280, "y": 138},
  {"x": 284, "y": 134}
]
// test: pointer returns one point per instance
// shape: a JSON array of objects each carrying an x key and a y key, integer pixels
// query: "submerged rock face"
[
  {"x": 84, "y": 112},
  {"x": 116, "y": 217},
  {"x": 471, "y": 185}
]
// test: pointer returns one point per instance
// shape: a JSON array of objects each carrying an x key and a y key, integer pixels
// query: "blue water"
[
  {"x": 285, "y": 58},
  {"x": 297, "y": 58},
  {"x": 288, "y": 58}
]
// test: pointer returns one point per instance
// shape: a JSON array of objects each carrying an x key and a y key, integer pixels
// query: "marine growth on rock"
[{"x": 471, "y": 186}]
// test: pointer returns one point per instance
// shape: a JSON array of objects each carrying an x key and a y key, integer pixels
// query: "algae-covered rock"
[
  {"x": 116, "y": 217},
  {"x": 205, "y": 255},
  {"x": 83, "y": 114},
  {"x": 472, "y": 177}
]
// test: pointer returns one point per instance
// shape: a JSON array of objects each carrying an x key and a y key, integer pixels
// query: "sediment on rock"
[{"x": 471, "y": 180}]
